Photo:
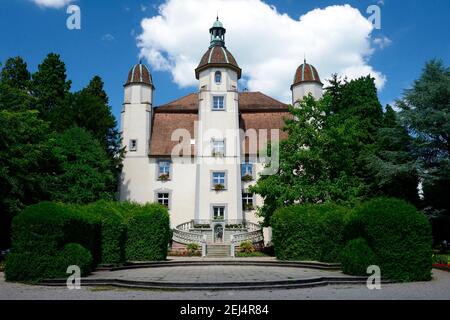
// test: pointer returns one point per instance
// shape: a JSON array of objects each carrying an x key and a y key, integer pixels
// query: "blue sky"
[{"x": 106, "y": 45}]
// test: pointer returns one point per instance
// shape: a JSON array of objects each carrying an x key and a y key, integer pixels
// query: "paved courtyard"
[
  {"x": 214, "y": 273},
  {"x": 438, "y": 288}
]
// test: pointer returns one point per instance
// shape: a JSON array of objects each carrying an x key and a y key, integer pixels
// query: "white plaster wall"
[
  {"x": 218, "y": 124},
  {"x": 301, "y": 90}
]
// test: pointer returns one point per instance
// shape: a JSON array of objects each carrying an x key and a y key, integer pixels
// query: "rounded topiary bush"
[
  {"x": 356, "y": 257},
  {"x": 309, "y": 232},
  {"x": 75, "y": 254},
  {"x": 398, "y": 234}
]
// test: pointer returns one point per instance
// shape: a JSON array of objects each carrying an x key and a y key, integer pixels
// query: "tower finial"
[
  {"x": 304, "y": 58},
  {"x": 217, "y": 16}
]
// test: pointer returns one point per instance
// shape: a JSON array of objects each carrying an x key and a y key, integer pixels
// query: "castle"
[{"x": 199, "y": 154}]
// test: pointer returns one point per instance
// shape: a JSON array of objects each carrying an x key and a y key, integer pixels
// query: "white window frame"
[
  {"x": 213, "y": 106},
  {"x": 246, "y": 198},
  {"x": 164, "y": 191},
  {"x": 218, "y": 147},
  {"x": 219, "y": 205},
  {"x": 225, "y": 183}
]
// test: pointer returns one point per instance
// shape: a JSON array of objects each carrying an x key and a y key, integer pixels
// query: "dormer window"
[
  {"x": 218, "y": 103},
  {"x": 218, "y": 77}
]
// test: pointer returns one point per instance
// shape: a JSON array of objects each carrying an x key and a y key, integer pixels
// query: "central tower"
[{"x": 218, "y": 185}]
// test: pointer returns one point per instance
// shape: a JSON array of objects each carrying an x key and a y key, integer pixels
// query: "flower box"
[
  {"x": 164, "y": 177},
  {"x": 219, "y": 187}
]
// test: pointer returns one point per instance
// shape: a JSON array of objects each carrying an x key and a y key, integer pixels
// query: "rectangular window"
[
  {"x": 247, "y": 201},
  {"x": 218, "y": 103},
  {"x": 218, "y": 212},
  {"x": 247, "y": 169},
  {"x": 164, "y": 169},
  {"x": 133, "y": 145},
  {"x": 218, "y": 178},
  {"x": 163, "y": 198},
  {"x": 218, "y": 147}
]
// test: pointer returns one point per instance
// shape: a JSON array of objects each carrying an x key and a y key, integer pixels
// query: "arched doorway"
[{"x": 218, "y": 233}]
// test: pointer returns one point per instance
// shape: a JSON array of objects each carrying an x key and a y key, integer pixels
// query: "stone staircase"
[
  {"x": 201, "y": 233},
  {"x": 217, "y": 250}
]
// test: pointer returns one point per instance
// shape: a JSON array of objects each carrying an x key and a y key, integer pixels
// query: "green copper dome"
[{"x": 217, "y": 24}]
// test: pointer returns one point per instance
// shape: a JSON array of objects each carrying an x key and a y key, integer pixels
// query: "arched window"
[{"x": 218, "y": 77}]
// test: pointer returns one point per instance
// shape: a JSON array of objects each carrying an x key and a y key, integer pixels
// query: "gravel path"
[{"x": 438, "y": 288}]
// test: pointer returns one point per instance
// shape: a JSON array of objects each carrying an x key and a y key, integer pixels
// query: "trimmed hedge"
[
  {"x": 148, "y": 233},
  {"x": 356, "y": 257},
  {"x": 48, "y": 237},
  {"x": 33, "y": 266},
  {"x": 309, "y": 232},
  {"x": 398, "y": 234},
  {"x": 112, "y": 231},
  {"x": 47, "y": 227}
]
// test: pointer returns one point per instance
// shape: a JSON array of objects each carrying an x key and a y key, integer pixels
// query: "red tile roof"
[
  {"x": 139, "y": 74},
  {"x": 306, "y": 73},
  {"x": 257, "y": 111},
  {"x": 217, "y": 56}
]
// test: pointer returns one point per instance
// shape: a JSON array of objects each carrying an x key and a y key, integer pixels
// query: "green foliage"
[
  {"x": 112, "y": 231},
  {"x": 399, "y": 236},
  {"x": 41, "y": 156},
  {"x": 50, "y": 87},
  {"x": 250, "y": 254},
  {"x": 48, "y": 237},
  {"x": 148, "y": 233},
  {"x": 325, "y": 157},
  {"x": 47, "y": 227},
  {"x": 309, "y": 232},
  {"x": 192, "y": 248},
  {"x": 75, "y": 254},
  {"x": 392, "y": 165},
  {"x": 35, "y": 266},
  {"x": 24, "y": 165},
  {"x": 356, "y": 257},
  {"x": 15, "y": 74},
  {"x": 84, "y": 173},
  {"x": 425, "y": 111},
  {"x": 246, "y": 247}
]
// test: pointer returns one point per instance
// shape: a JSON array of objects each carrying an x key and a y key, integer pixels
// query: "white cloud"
[
  {"x": 55, "y": 4},
  {"x": 382, "y": 42},
  {"x": 267, "y": 45}
]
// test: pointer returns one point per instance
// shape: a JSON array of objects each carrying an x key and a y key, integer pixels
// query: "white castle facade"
[{"x": 199, "y": 154}]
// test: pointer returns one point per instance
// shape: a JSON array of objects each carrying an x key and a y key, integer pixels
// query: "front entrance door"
[{"x": 218, "y": 233}]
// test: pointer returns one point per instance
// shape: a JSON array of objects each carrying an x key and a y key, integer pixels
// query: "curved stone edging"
[
  {"x": 268, "y": 263},
  {"x": 281, "y": 284}
]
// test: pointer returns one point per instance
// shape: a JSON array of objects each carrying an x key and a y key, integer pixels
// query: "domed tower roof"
[
  {"x": 139, "y": 74},
  {"x": 306, "y": 73},
  {"x": 217, "y": 54}
]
